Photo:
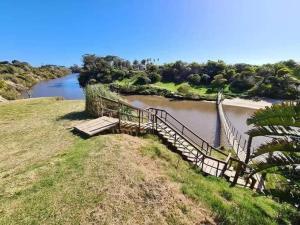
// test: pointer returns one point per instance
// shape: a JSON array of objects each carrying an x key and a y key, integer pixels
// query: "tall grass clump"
[{"x": 95, "y": 105}]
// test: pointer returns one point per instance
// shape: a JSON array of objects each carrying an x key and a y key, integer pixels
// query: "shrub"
[
  {"x": 283, "y": 71},
  {"x": 118, "y": 74},
  {"x": 142, "y": 80},
  {"x": 95, "y": 105},
  {"x": 154, "y": 77},
  {"x": 184, "y": 89}
]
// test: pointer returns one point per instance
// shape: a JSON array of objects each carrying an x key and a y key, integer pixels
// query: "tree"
[
  {"x": 206, "y": 78},
  {"x": 242, "y": 82},
  {"x": 283, "y": 71},
  {"x": 142, "y": 79},
  {"x": 75, "y": 68},
  {"x": 194, "y": 79},
  {"x": 135, "y": 64},
  {"x": 213, "y": 68},
  {"x": 229, "y": 74},
  {"x": 154, "y": 77},
  {"x": 150, "y": 68},
  {"x": 219, "y": 81}
]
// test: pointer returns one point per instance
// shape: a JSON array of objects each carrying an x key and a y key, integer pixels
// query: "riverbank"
[
  {"x": 230, "y": 99},
  {"x": 18, "y": 77},
  {"x": 250, "y": 104},
  {"x": 51, "y": 176},
  {"x": 68, "y": 88}
]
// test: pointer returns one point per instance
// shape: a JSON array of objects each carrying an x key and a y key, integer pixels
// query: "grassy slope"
[{"x": 50, "y": 176}]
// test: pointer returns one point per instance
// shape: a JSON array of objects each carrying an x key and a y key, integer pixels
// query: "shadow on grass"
[{"x": 75, "y": 116}]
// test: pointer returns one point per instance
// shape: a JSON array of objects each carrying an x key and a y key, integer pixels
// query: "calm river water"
[{"x": 201, "y": 117}]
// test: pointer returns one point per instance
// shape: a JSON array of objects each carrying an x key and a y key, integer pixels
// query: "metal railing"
[
  {"x": 158, "y": 118},
  {"x": 237, "y": 141}
]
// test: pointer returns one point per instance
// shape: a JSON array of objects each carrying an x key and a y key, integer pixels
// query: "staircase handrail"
[
  {"x": 188, "y": 129},
  {"x": 196, "y": 148}
]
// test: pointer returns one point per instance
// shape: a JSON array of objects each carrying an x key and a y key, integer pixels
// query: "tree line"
[{"x": 278, "y": 80}]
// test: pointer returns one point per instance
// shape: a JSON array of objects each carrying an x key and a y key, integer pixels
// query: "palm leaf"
[
  {"x": 285, "y": 114},
  {"x": 277, "y": 145},
  {"x": 274, "y": 131},
  {"x": 279, "y": 160}
]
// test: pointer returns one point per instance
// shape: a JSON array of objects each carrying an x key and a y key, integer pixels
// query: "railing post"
[
  {"x": 237, "y": 174},
  {"x": 239, "y": 140},
  {"x": 119, "y": 115},
  {"x": 226, "y": 165},
  {"x": 152, "y": 119},
  {"x": 139, "y": 121},
  {"x": 253, "y": 182},
  {"x": 175, "y": 139},
  {"x": 197, "y": 156}
]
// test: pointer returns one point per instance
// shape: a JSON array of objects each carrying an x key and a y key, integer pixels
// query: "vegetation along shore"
[
  {"x": 195, "y": 81},
  {"x": 17, "y": 77}
]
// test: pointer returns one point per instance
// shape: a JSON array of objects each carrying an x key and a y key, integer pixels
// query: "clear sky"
[{"x": 61, "y": 31}]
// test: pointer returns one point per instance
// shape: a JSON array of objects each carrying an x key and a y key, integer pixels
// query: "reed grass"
[{"x": 95, "y": 105}]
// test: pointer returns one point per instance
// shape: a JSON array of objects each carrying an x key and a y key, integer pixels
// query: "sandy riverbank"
[{"x": 252, "y": 104}]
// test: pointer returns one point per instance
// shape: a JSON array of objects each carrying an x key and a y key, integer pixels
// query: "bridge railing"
[
  {"x": 236, "y": 140},
  {"x": 192, "y": 137}
]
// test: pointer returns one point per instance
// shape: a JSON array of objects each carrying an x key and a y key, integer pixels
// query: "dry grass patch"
[{"x": 136, "y": 190}]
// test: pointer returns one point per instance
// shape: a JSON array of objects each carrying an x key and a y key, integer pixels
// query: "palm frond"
[
  {"x": 274, "y": 131},
  {"x": 285, "y": 114},
  {"x": 277, "y": 145},
  {"x": 279, "y": 160}
]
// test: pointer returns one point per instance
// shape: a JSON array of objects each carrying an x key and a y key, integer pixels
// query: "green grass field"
[
  {"x": 173, "y": 87},
  {"x": 48, "y": 175}
]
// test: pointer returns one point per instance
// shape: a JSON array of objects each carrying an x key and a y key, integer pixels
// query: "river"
[{"x": 200, "y": 116}]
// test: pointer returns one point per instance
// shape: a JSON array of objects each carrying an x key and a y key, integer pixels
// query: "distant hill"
[{"x": 17, "y": 76}]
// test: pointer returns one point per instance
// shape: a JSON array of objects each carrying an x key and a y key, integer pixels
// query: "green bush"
[
  {"x": 154, "y": 77},
  {"x": 184, "y": 89},
  {"x": 142, "y": 80},
  {"x": 95, "y": 105}
]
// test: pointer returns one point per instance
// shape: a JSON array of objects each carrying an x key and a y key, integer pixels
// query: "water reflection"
[{"x": 67, "y": 87}]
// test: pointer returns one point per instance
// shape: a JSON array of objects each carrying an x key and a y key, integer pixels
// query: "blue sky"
[{"x": 61, "y": 31}]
